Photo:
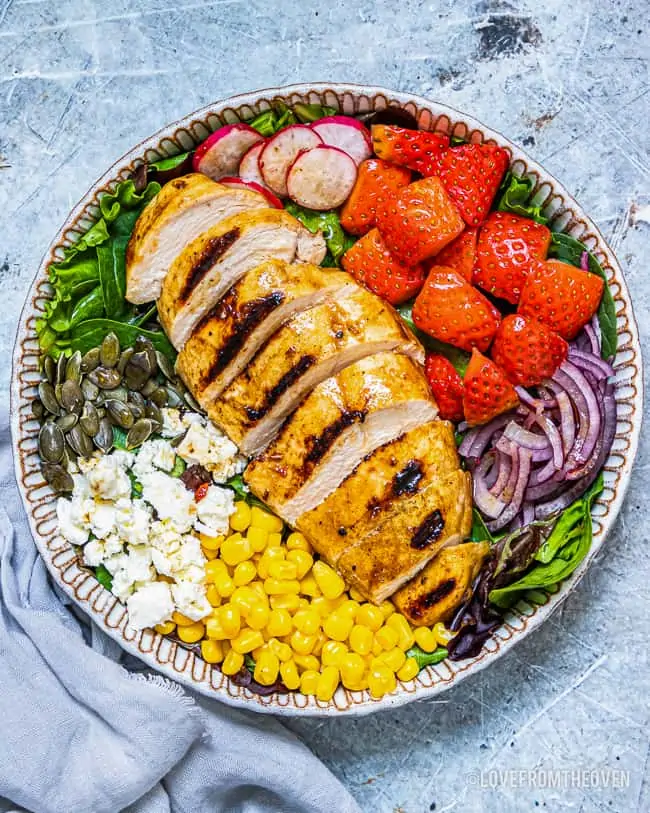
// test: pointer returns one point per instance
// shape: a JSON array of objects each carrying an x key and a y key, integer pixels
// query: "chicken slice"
[
  {"x": 346, "y": 417},
  {"x": 211, "y": 264},
  {"x": 230, "y": 334},
  {"x": 311, "y": 347},
  {"x": 183, "y": 209}
]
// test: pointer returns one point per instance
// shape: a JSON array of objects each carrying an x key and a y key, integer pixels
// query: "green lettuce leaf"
[
  {"x": 427, "y": 658},
  {"x": 337, "y": 240},
  {"x": 90, "y": 333},
  {"x": 514, "y": 196},
  {"x": 104, "y": 577}
]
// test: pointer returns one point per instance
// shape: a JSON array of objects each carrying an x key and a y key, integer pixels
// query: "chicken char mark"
[
  {"x": 319, "y": 445},
  {"x": 292, "y": 375},
  {"x": 428, "y": 531},
  {"x": 215, "y": 248},
  {"x": 406, "y": 481},
  {"x": 424, "y": 602}
]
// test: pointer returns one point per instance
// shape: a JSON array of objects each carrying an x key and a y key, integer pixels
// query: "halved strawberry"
[
  {"x": 376, "y": 182},
  {"x": 526, "y": 350},
  {"x": 419, "y": 221},
  {"x": 446, "y": 386},
  {"x": 416, "y": 149},
  {"x": 471, "y": 174},
  {"x": 488, "y": 392},
  {"x": 561, "y": 296},
  {"x": 451, "y": 310},
  {"x": 460, "y": 254},
  {"x": 507, "y": 246}
]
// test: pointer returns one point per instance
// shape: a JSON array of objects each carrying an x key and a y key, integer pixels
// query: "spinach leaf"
[
  {"x": 166, "y": 164},
  {"x": 136, "y": 485},
  {"x": 479, "y": 532},
  {"x": 337, "y": 241},
  {"x": 427, "y": 658},
  {"x": 459, "y": 358},
  {"x": 569, "y": 250},
  {"x": 90, "y": 306},
  {"x": 90, "y": 333},
  {"x": 307, "y": 113},
  {"x": 104, "y": 577},
  {"x": 112, "y": 275},
  {"x": 179, "y": 467},
  {"x": 514, "y": 196},
  {"x": 119, "y": 438},
  {"x": 280, "y": 115},
  {"x": 244, "y": 493}
]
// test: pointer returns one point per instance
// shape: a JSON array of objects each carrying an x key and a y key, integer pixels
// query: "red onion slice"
[
  {"x": 567, "y": 420},
  {"x": 537, "y": 404},
  {"x": 520, "y": 463},
  {"x": 522, "y": 437},
  {"x": 551, "y": 432},
  {"x": 594, "y": 364},
  {"x": 586, "y": 403},
  {"x": 592, "y": 335},
  {"x": 476, "y": 440},
  {"x": 487, "y": 503},
  {"x": 504, "y": 469},
  {"x": 584, "y": 261}
]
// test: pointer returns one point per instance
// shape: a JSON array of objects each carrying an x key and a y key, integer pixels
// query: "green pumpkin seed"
[
  {"x": 137, "y": 398},
  {"x": 153, "y": 412},
  {"x": 51, "y": 443},
  {"x": 165, "y": 366},
  {"x": 140, "y": 432},
  {"x": 90, "y": 391},
  {"x": 144, "y": 345},
  {"x": 174, "y": 400},
  {"x": 89, "y": 419},
  {"x": 159, "y": 397},
  {"x": 61, "y": 366},
  {"x": 105, "y": 378},
  {"x": 90, "y": 361},
  {"x": 125, "y": 355},
  {"x": 73, "y": 370},
  {"x": 38, "y": 410},
  {"x": 49, "y": 368},
  {"x": 48, "y": 398},
  {"x": 57, "y": 477},
  {"x": 72, "y": 398},
  {"x": 80, "y": 442},
  {"x": 149, "y": 387},
  {"x": 104, "y": 437},
  {"x": 66, "y": 422},
  {"x": 109, "y": 350},
  {"x": 192, "y": 403},
  {"x": 120, "y": 414}
]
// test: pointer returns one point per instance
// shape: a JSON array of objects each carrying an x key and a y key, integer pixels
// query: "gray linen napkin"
[{"x": 80, "y": 733}]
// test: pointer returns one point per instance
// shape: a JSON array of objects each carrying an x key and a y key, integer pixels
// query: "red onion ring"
[
  {"x": 586, "y": 403},
  {"x": 487, "y": 503},
  {"x": 567, "y": 421},
  {"x": 593, "y": 364},
  {"x": 520, "y": 463},
  {"x": 522, "y": 437},
  {"x": 554, "y": 439},
  {"x": 476, "y": 440},
  {"x": 504, "y": 469}
]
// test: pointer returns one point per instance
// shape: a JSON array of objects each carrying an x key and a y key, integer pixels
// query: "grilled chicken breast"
[
  {"x": 183, "y": 209},
  {"x": 311, "y": 347},
  {"x": 231, "y": 332},
  {"x": 211, "y": 264},
  {"x": 346, "y": 417}
]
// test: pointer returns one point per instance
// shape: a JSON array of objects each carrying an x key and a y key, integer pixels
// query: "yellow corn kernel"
[
  {"x": 290, "y": 602},
  {"x": 244, "y": 573},
  {"x": 263, "y": 519},
  {"x": 296, "y": 541},
  {"x": 361, "y": 639},
  {"x": 181, "y": 620},
  {"x": 333, "y": 652},
  {"x": 191, "y": 633},
  {"x": 442, "y": 635},
  {"x": 370, "y": 616},
  {"x": 321, "y": 640},
  {"x": 279, "y": 623},
  {"x": 425, "y": 639},
  {"x": 279, "y": 587},
  {"x": 387, "y": 608},
  {"x": 405, "y": 636},
  {"x": 309, "y": 681},
  {"x": 229, "y": 616},
  {"x": 258, "y": 538},
  {"x": 352, "y": 666},
  {"x": 214, "y": 630},
  {"x": 322, "y": 605},
  {"x": 224, "y": 584},
  {"x": 283, "y": 570},
  {"x": 232, "y": 663},
  {"x": 211, "y": 542},
  {"x": 212, "y": 594},
  {"x": 349, "y": 607},
  {"x": 282, "y": 650},
  {"x": 386, "y": 637},
  {"x": 257, "y": 652},
  {"x": 338, "y": 626},
  {"x": 329, "y": 581},
  {"x": 209, "y": 554},
  {"x": 275, "y": 541},
  {"x": 289, "y": 675},
  {"x": 307, "y": 621},
  {"x": 214, "y": 569},
  {"x": 356, "y": 595},
  {"x": 270, "y": 556},
  {"x": 212, "y": 651},
  {"x": 377, "y": 648},
  {"x": 165, "y": 628},
  {"x": 327, "y": 683},
  {"x": 381, "y": 680},
  {"x": 241, "y": 518},
  {"x": 258, "y": 616},
  {"x": 267, "y": 667},
  {"x": 302, "y": 643},
  {"x": 303, "y": 561},
  {"x": 394, "y": 658},
  {"x": 307, "y": 662},
  {"x": 235, "y": 549},
  {"x": 309, "y": 587},
  {"x": 409, "y": 670},
  {"x": 247, "y": 641}
]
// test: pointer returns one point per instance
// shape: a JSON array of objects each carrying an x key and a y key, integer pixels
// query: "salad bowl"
[{"x": 182, "y": 663}]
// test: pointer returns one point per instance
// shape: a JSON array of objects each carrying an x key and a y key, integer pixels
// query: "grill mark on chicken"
[
  {"x": 423, "y": 603},
  {"x": 215, "y": 248},
  {"x": 292, "y": 375},
  {"x": 428, "y": 531},
  {"x": 407, "y": 480},
  {"x": 320, "y": 444}
]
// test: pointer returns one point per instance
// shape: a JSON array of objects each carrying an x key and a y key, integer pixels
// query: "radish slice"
[
  {"x": 321, "y": 178},
  {"x": 239, "y": 183},
  {"x": 220, "y": 153},
  {"x": 281, "y": 151},
  {"x": 347, "y": 134},
  {"x": 249, "y": 168}
]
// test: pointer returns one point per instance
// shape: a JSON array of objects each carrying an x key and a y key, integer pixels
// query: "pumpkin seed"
[
  {"x": 66, "y": 422},
  {"x": 72, "y": 398},
  {"x": 138, "y": 370},
  {"x": 90, "y": 361},
  {"x": 125, "y": 355},
  {"x": 159, "y": 397},
  {"x": 120, "y": 414},
  {"x": 174, "y": 400},
  {"x": 191, "y": 402},
  {"x": 48, "y": 398},
  {"x": 80, "y": 442},
  {"x": 144, "y": 345},
  {"x": 38, "y": 410},
  {"x": 105, "y": 378},
  {"x": 165, "y": 366},
  {"x": 109, "y": 350},
  {"x": 73, "y": 370},
  {"x": 137, "y": 398},
  {"x": 61, "y": 365},
  {"x": 149, "y": 387},
  {"x": 51, "y": 443},
  {"x": 57, "y": 477},
  {"x": 104, "y": 437},
  {"x": 49, "y": 368},
  {"x": 140, "y": 432},
  {"x": 137, "y": 411},
  {"x": 90, "y": 391},
  {"x": 89, "y": 419},
  {"x": 153, "y": 412}
]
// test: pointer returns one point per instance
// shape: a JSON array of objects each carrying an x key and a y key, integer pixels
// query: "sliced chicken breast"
[
  {"x": 230, "y": 334},
  {"x": 183, "y": 209},
  {"x": 208, "y": 267},
  {"x": 311, "y": 347},
  {"x": 346, "y": 417}
]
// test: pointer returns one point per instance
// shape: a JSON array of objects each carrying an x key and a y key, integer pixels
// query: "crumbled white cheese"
[
  {"x": 214, "y": 510},
  {"x": 99, "y": 551},
  {"x": 191, "y": 600},
  {"x": 149, "y": 605},
  {"x": 108, "y": 479},
  {"x": 154, "y": 454},
  {"x": 206, "y": 445},
  {"x": 170, "y": 498},
  {"x": 133, "y": 521},
  {"x": 172, "y": 423},
  {"x": 102, "y": 519},
  {"x": 71, "y": 525}
]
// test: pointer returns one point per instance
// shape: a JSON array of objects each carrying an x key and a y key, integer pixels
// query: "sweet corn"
[
  {"x": 235, "y": 549},
  {"x": 296, "y": 541},
  {"x": 394, "y": 658},
  {"x": 381, "y": 680},
  {"x": 247, "y": 641},
  {"x": 355, "y": 594},
  {"x": 229, "y": 616},
  {"x": 258, "y": 587},
  {"x": 212, "y": 594},
  {"x": 209, "y": 554},
  {"x": 322, "y": 605},
  {"x": 361, "y": 639},
  {"x": 224, "y": 584},
  {"x": 442, "y": 635},
  {"x": 301, "y": 643},
  {"x": 387, "y": 608},
  {"x": 269, "y": 556},
  {"x": 263, "y": 519},
  {"x": 258, "y": 538},
  {"x": 304, "y": 604},
  {"x": 181, "y": 620},
  {"x": 377, "y": 648},
  {"x": 214, "y": 630},
  {"x": 282, "y": 650},
  {"x": 329, "y": 581},
  {"x": 267, "y": 668},
  {"x": 386, "y": 637},
  {"x": 191, "y": 633},
  {"x": 244, "y": 573},
  {"x": 327, "y": 683},
  {"x": 212, "y": 651},
  {"x": 425, "y": 639},
  {"x": 352, "y": 666},
  {"x": 279, "y": 623},
  {"x": 307, "y": 621},
  {"x": 349, "y": 607},
  {"x": 370, "y": 616},
  {"x": 409, "y": 670},
  {"x": 321, "y": 640},
  {"x": 405, "y": 636},
  {"x": 232, "y": 663},
  {"x": 307, "y": 662},
  {"x": 309, "y": 587},
  {"x": 245, "y": 597},
  {"x": 258, "y": 616},
  {"x": 241, "y": 518},
  {"x": 289, "y": 675},
  {"x": 333, "y": 652},
  {"x": 275, "y": 541},
  {"x": 303, "y": 561},
  {"x": 283, "y": 570},
  {"x": 211, "y": 542},
  {"x": 278, "y": 587},
  {"x": 309, "y": 681},
  {"x": 338, "y": 626},
  {"x": 165, "y": 628},
  {"x": 214, "y": 569},
  {"x": 290, "y": 602}
]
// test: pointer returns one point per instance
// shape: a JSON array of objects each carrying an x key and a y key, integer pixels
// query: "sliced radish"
[
  {"x": 220, "y": 153},
  {"x": 280, "y": 152},
  {"x": 239, "y": 183},
  {"x": 321, "y": 178},
  {"x": 347, "y": 134},
  {"x": 249, "y": 167}
]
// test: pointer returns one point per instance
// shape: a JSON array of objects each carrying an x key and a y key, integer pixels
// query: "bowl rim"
[{"x": 542, "y": 612}]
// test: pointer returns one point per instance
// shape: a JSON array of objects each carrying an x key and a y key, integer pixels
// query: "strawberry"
[
  {"x": 561, "y": 296},
  {"x": 488, "y": 392},
  {"x": 372, "y": 264},
  {"x": 446, "y": 386},
  {"x": 419, "y": 221},
  {"x": 460, "y": 254},
  {"x": 528, "y": 351},
  {"x": 471, "y": 174},
  {"x": 416, "y": 149},
  {"x": 507, "y": 247},
  {"x": 451, "y": 310},
  {"x": 376, "y": 181}
]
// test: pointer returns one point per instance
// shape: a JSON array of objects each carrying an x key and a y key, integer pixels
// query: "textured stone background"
[{"x": 83, "y": 80}]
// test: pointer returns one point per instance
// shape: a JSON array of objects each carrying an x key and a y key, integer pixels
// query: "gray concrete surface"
[{"x": 82, "y": 80}]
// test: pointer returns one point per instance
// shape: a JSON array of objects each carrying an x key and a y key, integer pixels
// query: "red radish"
[
  {"x": 347, "y": 134},
  {"x": 249, "y": 168},
  {"x": 239, "y": 183},
  {"x": 220, "y": 153},
  {"x": 281, "y": 151},
  {"x": 321, "y": 178}
]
